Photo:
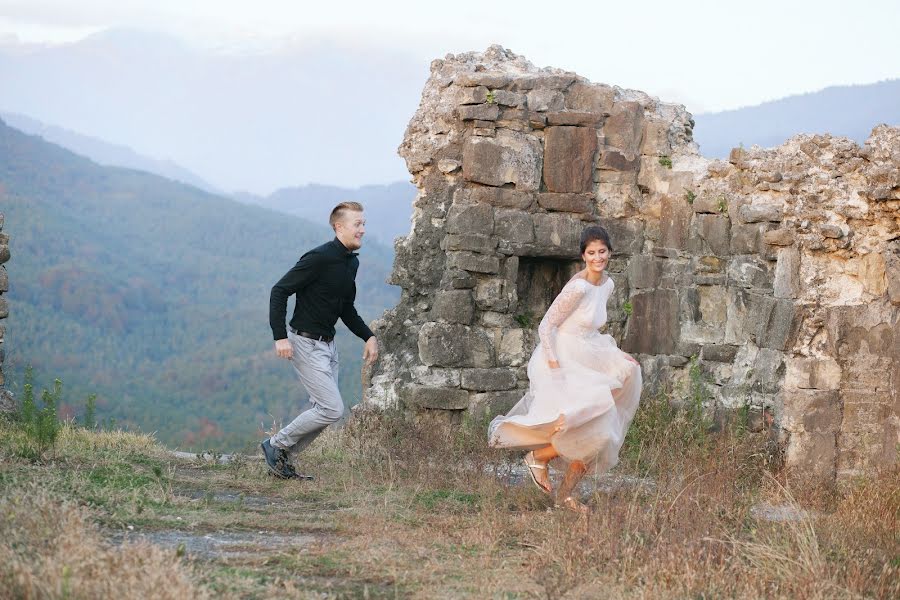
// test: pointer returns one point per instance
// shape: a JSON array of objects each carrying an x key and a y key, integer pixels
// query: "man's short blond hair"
[{"x": 338, "y": 212}]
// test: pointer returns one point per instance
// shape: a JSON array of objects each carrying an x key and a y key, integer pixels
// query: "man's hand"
[
  {"x": 370, "y": 352},
  {"x": 284, "y": 349}
]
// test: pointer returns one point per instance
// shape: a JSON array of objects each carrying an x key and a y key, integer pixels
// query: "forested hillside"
[{"x": 154, "y": 295}]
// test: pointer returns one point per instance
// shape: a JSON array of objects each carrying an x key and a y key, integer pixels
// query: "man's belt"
[{"x": 312, "y": 336}]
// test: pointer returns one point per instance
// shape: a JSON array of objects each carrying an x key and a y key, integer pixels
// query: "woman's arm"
[{"x": 563, "y": 306}]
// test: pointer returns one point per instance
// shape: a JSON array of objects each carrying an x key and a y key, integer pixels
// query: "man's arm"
[
  {"x": 353, "y": 321},
  {"x": 301, "y": 275}
]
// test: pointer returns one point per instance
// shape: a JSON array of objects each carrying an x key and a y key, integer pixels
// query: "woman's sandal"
[
  {"x": 570, "y": 503},
  {"x": 532, "y": 464}
]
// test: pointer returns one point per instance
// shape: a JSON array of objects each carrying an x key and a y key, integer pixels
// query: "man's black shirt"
[{"x": 324, "y": 281}]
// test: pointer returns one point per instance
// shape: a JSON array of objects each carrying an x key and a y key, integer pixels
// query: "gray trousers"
[{"x": 316, "y": 365}]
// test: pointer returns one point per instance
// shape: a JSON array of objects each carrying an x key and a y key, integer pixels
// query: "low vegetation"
[{"x": 405, "y": 507}]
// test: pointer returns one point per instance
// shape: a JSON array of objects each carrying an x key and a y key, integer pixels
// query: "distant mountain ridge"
[
  {"x": 851, "y": 111},
  {"x": 105, "y": 153},
  {"x": 388, "y": 207}
]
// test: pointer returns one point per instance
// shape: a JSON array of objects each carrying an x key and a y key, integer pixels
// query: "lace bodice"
[{"x": 579, "y": 309}]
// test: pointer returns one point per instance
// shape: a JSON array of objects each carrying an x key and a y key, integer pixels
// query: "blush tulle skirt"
[{"x": 583, "y": 408}]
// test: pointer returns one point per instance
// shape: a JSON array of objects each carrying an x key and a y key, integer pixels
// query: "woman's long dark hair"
[{"x": 595, "y": 233}]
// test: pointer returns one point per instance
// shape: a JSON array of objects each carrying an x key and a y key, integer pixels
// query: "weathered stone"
[
  {"x": 787, "y": 273},
  {"x": 490, "y": 295},
  {"x": 483, "y": 78},
  {"x": 715, "y": 230},
  {"x": 655, "y": 139},
  {"x": 723, "y": 353},
  {"x": 811, "y": 411},
  {"x": 674, "y": 222},
  {"x": 4, "y": 253},
  {"x": 746, "y": 239},
  {"x": 490, "y": 404},
  {"x": 624, "y": 126},
  {"x": 644, "y": 272},
  {"x": 776, "y": 322},
  {"x": 454, "y": 345},
  {"x": 779, "y": 237},
  {"x": 435, "y": 377},
  {"x": 510, "y": 157},
  {"x": 545, "y": 99},
  {"x": 558, "y": 234},
  {"x": 470, "y": 219},
  {"x": 575, "y": 203},
  {"x": 494, "y": 196},
  {"x": 626, "y": 235},
  {"x": 822, "y": 373},
  {"x": 4, "y": 279},
  {"x": 892, "y": 276},
  {"x": 812, "y": 454},
  {"x": 749, "y": 271},
  {"x": 488, "y": 380},
  {"x": 582, "y": 119},
  {"x": 614, "y": 160},
  {"x": 537, "y": 120},
  {"x": 756, "y": 214},
  {"x": 4, "y": 308},
  {"x": 831, "y": 231},
  {"x": 768, "y": 371},
  {"x": 513, "y": 348},
  {"x": 472, "y": 242},
  {"x": 446, "y": 165},
  {"x": 473, "y": 95},
  {"x": 569, "y": 158},
  {"x": 479, "y": 112},
  {"x": 590, "y": 98},
  {"x": 514, "y": 226},
  {"x": 420, "y": 396},
  {"x": 462, "y": 280},
  {"x": 653, "y": 326},
  {"x": 477, "y": 263},
  {"x": 454, "y": 306},
  {"x": 507, "y": 98}
]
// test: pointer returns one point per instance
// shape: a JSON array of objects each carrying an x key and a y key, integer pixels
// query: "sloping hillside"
[{"x": 154, "y": 295}]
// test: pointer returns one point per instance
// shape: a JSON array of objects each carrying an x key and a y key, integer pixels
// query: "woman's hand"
[
  {"x": 631, "y": 358},
  {"x": 553, "y": 364}
]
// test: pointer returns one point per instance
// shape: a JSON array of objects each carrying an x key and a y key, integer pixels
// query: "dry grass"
[
  {"x": 51, "y": 550},
  {"x": 423, "y": 509}
]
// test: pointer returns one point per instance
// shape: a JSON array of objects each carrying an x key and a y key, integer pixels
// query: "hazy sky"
[{"x": 709, "y": 55}]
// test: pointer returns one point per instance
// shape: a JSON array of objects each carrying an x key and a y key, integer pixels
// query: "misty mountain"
[
  {"x": 300, "y": 113},
  {"x": 104, "y": 153},
  {"x": 388, "y": 207},
  {"x": 851, "y": 111},
  {"x": 154, "y": 295}
]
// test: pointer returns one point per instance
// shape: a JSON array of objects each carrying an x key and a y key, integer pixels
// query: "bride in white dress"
[{"x": 583, "y": 391}]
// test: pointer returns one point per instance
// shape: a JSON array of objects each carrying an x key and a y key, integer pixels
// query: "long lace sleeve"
[{"x": 563, "y": 306}]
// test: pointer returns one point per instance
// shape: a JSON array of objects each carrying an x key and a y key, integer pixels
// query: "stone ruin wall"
[{"x": 779, "y": 269}]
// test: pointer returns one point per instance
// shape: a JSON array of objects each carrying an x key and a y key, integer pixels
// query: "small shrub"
[
  {"x": 491, "y": 97},
  {"x": 525, "y": 320},
  {"x": 665, "y": 161},
  {"x": 690, "y": 196},
  {"x": 41, "y": 426},
  {"x": 628, "y": 307}
]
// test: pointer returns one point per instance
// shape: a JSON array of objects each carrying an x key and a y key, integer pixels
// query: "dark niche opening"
[{"x": 539, "y": 282}]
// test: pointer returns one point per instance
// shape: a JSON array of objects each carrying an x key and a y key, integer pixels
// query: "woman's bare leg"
[
  {"x": 565, "y": 494},
  {"x": 546, "y": 454},
  {"x": 537, "y": 463}
]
